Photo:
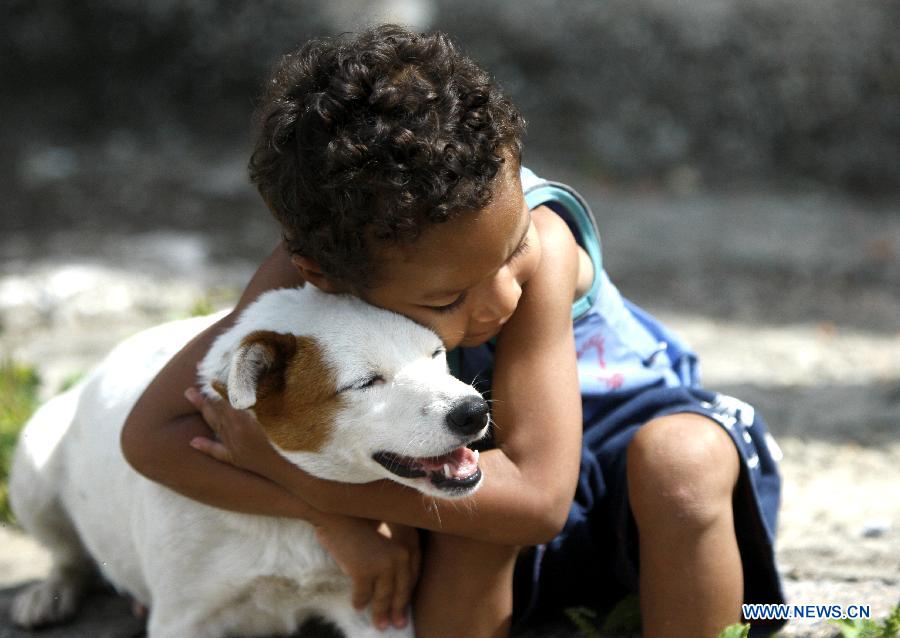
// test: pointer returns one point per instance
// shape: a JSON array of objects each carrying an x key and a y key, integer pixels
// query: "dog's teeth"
[
  {"x": 475, "y": 453},
  {"x": 447, "y": 473}
]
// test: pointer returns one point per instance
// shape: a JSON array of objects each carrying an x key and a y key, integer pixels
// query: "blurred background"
[{"x": 742, "y": 159}]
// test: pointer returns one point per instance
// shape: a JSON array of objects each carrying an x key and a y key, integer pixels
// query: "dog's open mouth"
[{"x": 452, "y": 471}]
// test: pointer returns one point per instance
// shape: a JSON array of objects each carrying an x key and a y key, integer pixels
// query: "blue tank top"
[{"x": 621, "y": 349}]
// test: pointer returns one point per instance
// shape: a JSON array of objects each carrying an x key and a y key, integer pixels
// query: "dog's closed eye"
[
  {"x": 371, "y": 381},
  {"x": 364, "y": 383}
]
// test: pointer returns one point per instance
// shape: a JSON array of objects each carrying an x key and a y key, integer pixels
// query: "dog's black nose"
[{"x": 468, "y": 416}]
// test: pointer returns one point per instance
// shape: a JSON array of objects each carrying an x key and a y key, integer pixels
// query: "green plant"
[
  {"x": 867, "y": 628},
  {"x": 735, "y": 631},
  {"x": 585, "y": 621},
  {"x": 71, "y": 380},
  {"x": 624, "y": 618},
  {"x": 201, "y": 307},
  {"x": 18, "y": 399},
  {"x": 212, "y": 300}
]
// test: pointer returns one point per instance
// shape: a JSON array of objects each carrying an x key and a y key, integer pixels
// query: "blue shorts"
[{"x": 594, "y": 561}]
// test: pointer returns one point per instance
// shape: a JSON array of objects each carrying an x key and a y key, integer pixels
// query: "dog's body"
[{"x": 346, "y": 391}]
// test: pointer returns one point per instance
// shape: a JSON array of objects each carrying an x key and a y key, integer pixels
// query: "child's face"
[{"x": 464, "y": 278}]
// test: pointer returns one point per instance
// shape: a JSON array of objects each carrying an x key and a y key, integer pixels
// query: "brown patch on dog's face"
[{"x": 296, "y": 400}]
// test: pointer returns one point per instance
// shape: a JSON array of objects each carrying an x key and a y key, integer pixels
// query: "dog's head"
[{"x": 350, "y": 392}]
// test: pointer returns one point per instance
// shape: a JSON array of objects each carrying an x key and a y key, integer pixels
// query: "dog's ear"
[{"x": 258, "y": 367}]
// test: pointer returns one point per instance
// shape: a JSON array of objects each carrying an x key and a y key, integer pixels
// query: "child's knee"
[{"x": 681, "y": 469}]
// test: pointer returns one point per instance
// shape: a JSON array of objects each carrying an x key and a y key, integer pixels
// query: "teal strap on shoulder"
[{"x": 560, "y": 196}]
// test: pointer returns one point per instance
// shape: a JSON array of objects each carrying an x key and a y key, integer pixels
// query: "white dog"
[{"x": 345, "y": 390}]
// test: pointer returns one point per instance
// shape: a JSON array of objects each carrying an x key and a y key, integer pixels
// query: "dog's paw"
[{"x": 47, "y": 602}]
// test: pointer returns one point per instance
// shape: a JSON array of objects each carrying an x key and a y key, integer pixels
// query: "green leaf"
[
  {"x": 18, "y": 399},
  {"x": 865, "y": 628},
  {"x": 735, "y": 631},
  {"x": 890, "y": 628},
  {"x": 625, "y": 617},
  {"x": 71, "y": 381},
  {"x": 585, "y": 621}
]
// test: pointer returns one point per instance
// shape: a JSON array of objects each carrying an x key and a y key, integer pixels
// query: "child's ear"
[{"x": 311, "y": 272}]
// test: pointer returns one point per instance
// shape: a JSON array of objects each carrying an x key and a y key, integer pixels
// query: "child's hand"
[
  {"x": 241, "y": 439},
  {"x": 382, "y": 560}
]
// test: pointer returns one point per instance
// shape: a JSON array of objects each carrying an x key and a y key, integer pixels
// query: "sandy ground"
[{"x": 793, "y": 302}]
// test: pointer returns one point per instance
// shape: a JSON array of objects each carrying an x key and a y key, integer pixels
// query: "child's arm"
[
  {"x": 155, "y": 441},
  {"x": 156, "y": 434},
  {"x": 529, "y": 479}
]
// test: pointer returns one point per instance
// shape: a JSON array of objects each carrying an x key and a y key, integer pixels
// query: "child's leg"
[
  {"x": 465, "y": 589},
  {"x": 682, "y": 470}
]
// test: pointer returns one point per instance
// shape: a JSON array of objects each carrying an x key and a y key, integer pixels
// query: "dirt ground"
[{"x": 792, "y": 301}]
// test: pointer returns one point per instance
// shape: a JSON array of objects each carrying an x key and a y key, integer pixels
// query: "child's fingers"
[
  {"x": 381, "y": 601},
  {"x": 209, "y": 408},
  {"x": 362, "y": 592},
  {"x": 211, "y": 448},
  {"x": 403, "y": 585},
  {"x": 193, "y": 395}
]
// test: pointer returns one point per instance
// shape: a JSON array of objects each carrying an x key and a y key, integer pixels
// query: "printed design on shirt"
[
  {"x": 597, "y": 343},
  {"x": 732, "y": 412}
]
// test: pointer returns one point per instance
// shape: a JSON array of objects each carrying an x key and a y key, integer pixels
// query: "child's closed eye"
[
  {"x": 520, "y": 250},
  {"x": 450, "y": 307}
]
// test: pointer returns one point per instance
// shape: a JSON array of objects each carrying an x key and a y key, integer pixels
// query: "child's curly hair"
[{"x": 375, "y": 135}]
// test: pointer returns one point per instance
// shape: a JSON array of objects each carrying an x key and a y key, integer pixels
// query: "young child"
[{"x": 392, "y": 163}]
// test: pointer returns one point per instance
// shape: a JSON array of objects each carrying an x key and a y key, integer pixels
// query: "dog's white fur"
[{"x": 201, "y": 570}]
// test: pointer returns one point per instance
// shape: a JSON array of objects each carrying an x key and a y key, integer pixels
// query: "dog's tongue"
[{"x": 459, "y": 464}]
